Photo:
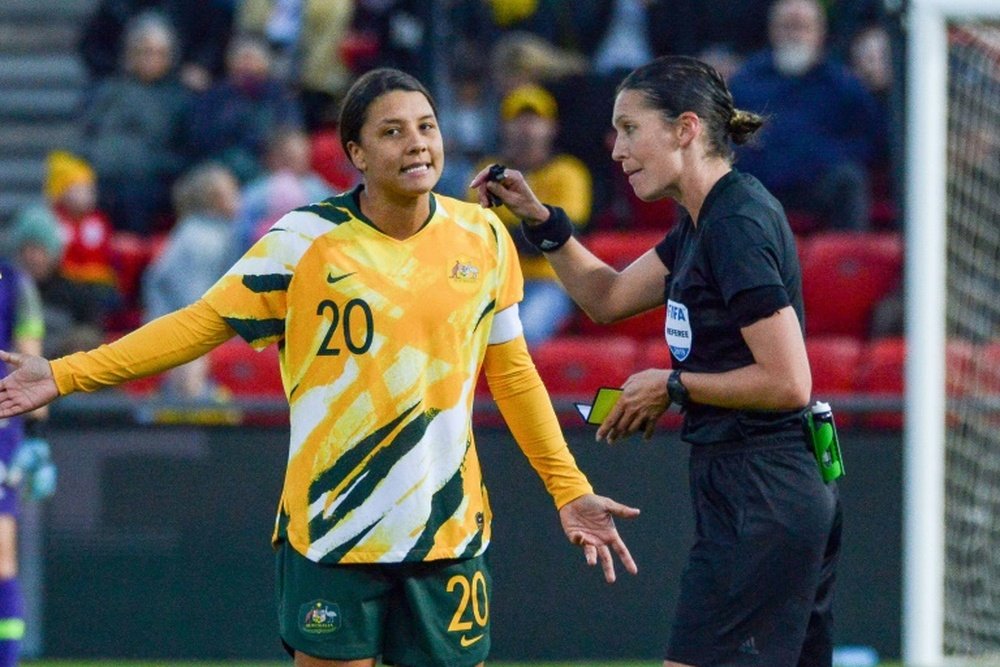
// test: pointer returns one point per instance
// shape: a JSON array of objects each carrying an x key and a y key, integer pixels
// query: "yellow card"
[{"x": 597, "y": 412}]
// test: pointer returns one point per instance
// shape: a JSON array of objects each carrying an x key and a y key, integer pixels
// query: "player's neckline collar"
[{"x": 354, "y": 206}]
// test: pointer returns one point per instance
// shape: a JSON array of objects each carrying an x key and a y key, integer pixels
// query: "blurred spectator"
[
  {"x": 393, "y": 33},
  {"x": 847, "y": 18},
  {"x": 871, "y": 61},
  {"x": 288, "y": 183},
  {"x": 723, "y": 33},
  {"x": 530, "y": 123},
  {"x": 73, "y": 312},
  {"x": 199, "y": 249},
  {"x": 71, "y": 191},
  {"x": 577, "y": 27},
  {"x": 231, "y": 121},
  {"x": 585, "y": 102},
  {"x": 63, "y": 244},
  {"x": 825, "y": 127},
  {"x": 203, "y": 28},
  {"x": 625, "y": 44},
  {"x": 520, "y": 58},
  {"x": 130, "y": 130},
  {"x": 469, "y": 122},
  {"x": 306, "y": 37}
]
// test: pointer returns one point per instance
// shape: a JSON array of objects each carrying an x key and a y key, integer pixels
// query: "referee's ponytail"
[{"x": 742, "y": 125}]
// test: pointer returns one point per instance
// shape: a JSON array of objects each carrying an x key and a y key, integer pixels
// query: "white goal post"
[{"x": 924, "y": 458}]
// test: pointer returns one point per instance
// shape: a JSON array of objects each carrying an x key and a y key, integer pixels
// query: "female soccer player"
[
  {"x": 21, "y": 327},
  {"x": 758, "y": 584},
  {"x": 384, "y": 302}
]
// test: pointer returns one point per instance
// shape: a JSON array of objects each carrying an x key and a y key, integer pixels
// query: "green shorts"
[{"x": 433, "y": 613}]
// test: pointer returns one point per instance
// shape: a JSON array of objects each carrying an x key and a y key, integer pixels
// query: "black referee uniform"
[{"x": 758, "y": 586}]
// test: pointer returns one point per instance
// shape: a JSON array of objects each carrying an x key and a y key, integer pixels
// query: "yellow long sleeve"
[
  {"x": 524, "y": 403},
  {"x": 162, "y": 344}
]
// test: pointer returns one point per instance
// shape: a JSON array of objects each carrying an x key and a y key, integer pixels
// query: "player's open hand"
[
  {"x": 643, "y": 401},
  {"x": 29, "y": 386},
  {"x": 513, "y": 191},
  {"x": 589, "y": 521}
]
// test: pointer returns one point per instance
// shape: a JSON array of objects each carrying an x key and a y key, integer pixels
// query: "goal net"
[
  {"x": 972, "y": 326},
  {"x": 951, "y": 456}
]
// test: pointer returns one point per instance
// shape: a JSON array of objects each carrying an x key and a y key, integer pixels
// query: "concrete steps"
[{"x": 41, "y": 86}]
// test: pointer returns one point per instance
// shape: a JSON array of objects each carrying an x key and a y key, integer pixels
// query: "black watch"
[{"x": 676, "y": 390}]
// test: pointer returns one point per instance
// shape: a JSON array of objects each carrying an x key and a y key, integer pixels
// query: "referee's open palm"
[
  {"x": 589, "y": 522},
  {"x": 29, "y": 386}
]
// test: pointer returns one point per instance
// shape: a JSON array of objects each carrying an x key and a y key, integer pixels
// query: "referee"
[{"x": 758, "y": 585}]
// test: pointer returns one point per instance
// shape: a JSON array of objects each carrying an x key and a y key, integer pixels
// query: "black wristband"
[
  {"x": 676, "y": 390},
  {"x": 551, "y": 234}
]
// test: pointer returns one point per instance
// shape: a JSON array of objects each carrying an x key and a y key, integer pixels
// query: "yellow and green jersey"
[{"x": 381, "y": 341}]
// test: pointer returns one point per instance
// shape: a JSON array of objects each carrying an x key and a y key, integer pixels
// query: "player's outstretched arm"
[
  {"x": 29, "y": 386},
  {"x": 589, "y": 521}
]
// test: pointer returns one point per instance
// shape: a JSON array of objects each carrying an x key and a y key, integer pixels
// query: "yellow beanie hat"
[
  {"x": 508, "y": 12},
  {"x": 529, "y": 97},
  {"x": 65, "y": 171}
]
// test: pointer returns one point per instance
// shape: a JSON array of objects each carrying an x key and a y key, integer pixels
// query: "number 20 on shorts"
[{"x": 473, "y": 606}]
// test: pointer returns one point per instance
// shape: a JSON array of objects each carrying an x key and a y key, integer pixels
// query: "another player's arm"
[{"x": 29, "y": 328}]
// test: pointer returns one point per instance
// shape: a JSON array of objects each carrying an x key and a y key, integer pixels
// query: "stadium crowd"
[{"x": 205, "y": 121}]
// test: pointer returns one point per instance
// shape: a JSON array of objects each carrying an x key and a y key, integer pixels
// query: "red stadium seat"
[
  {"x": 246, "y": 372},
  {"x": 619, "y": 249},
  {"x": 802, "y": 222},
  {"x": 881, "y": 374},
  {"x": 834, "y": 363},
  {"x": 575, "y": 367},
  {"x": 130, "y": 254},
  {"x": 654, "y": 353},
  {"x": 844, "y": 275},
  {"x": 639, "y": 328},
  {"x": 968, "y": 369},
  {"x": 985, "y": 370}
]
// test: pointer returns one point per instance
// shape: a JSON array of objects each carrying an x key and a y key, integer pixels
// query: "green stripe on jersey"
[
  {"x": 444, "y": 504},
  {"x": 486, "y": 311},
  {"x": 251, "y": 330},
  {"x": 351, "y": 459},
  {"x": 272, "y": 282},
  {"x": 375, "y": 472},
  {"x": 328, "y": 211}
]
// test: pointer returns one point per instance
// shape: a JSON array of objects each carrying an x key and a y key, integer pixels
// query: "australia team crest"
[
  {"x": 463, "y": 270},
  {"x": 319, "y": 617}
]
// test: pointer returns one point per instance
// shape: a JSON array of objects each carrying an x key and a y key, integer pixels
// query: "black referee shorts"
[{"x": 758, "y": 585}]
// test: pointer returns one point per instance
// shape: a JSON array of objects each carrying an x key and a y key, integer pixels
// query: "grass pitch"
[{"x": 119, "y": 663}]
